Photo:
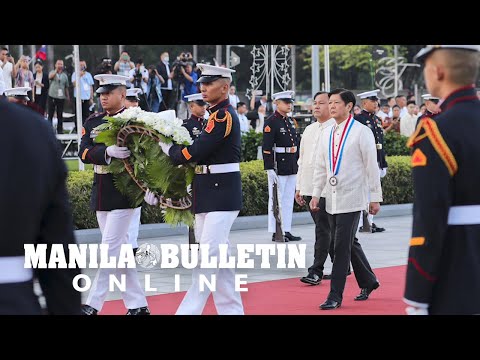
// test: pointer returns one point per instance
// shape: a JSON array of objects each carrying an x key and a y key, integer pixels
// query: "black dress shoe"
[
  {"x": 285, "y": 238},
  {"x": 365, "y": 292},
  {"x": 291, "y": 237},
  {"x": 88, "y": 310},
  {"x": 140, "y": 311},
  {"x": 312, "y": 279},
  {"x": 330, "y": 305},
  {"x": 375, "y": 228}
]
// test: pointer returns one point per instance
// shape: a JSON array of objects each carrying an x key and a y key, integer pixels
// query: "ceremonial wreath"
[{"x": 148, "y": 167}]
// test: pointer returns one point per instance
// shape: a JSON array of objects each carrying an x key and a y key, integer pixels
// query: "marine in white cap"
[
  {"x": 217, "y": 189},
  {"x": 443, "y": 271},
  {"x": 132, "y": 98},
  {"x": 18, "y": 95},
  {"x": 114, "y": 210},
  {"x": 368, "y": 118},
  {"x": 197, "y": 108},
  {"x": 431, "y": 104},
  {"x": 280, "y": 160}
]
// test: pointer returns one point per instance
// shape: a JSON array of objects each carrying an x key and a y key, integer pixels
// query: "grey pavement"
[{"x": 389, "y": 248}]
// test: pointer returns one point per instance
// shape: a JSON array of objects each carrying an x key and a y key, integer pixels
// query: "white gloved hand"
[
  {"x": 119, "y": 152},
  {"x": 410, "y": 310},
  {"x": 150, "y": 198},
  {"x": 189, "y": 189},
  {"x": 165, "y": 147},
  {"x": 272, "y": 176}
]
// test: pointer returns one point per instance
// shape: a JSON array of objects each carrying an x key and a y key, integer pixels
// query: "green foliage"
[
  {"x": 250, "y": 143},
  {"x": 397, "y": 188},
  {"x": 397, "y": 185},
  {"x": 149, "y": 164},
  {"x": 395, "y": 144}
]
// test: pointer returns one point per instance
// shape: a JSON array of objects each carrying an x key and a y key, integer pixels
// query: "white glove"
[
  {"x": 165, "y": 147},
  {"x": 150, "y": 198},
  {"x": 189, "y": 189},
  {"x": 272, "y": 176},
  {"x": 410, "y": 310},
  {"x": 383, "y": 172},
  {"x": 119, "y": 152}
]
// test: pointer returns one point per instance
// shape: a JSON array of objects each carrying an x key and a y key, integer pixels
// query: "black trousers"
[
  {"x": 56, "y": 104},
  {"x": 167, "y": 102},
  {"x": 323, "y": 236},
  {"x": 347, "y": 247}
]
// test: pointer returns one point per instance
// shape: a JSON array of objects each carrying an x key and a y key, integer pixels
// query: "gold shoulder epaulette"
[{"x": 430, "y": 130}]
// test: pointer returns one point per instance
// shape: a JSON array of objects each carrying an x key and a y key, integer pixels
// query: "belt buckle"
[
  {"x": 198, "y": 169},
  {"x": 379, "y": 146}
]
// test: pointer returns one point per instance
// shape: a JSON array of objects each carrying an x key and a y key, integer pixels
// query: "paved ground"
[{"x": 385, "y": 249}]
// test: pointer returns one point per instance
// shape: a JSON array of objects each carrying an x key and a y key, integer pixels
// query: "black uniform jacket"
[
  {"x": 375, "y": 124},
  {"x": 34, "y": 209},
  {"x": 105, "y": 196},
  {"x": 444, "y": 260},
  {"x": 218, "y": 143},
  {"x": 279, "y": 131}
]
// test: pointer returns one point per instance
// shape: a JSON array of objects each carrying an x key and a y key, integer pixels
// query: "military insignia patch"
[
  {"x": 267, "y": 128},
  {"x": 210, "y": 126},
  {"x": 419, "y": 158}
]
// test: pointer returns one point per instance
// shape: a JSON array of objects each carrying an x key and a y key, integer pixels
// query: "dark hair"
[
  {"x": 346, "y": 95},
  {"x": 399, "y": 96},
  {"x": 320, "y": 93},
  {"x": 395, "y": 106},
  {"x": 411, "y": 102},
  {"x": 39, "y": 62},
  {"x": 139, "y": 61},
  {"x": 240, "y": 103},
  {"x": 389, "y": 98},
  {"x": 152, "y": 67},
  {"x": 4, "y": 48}
]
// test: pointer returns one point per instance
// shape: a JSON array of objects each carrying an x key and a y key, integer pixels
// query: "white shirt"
[
  {"x": 260, "y": 123},
  {"x": 234, "y": 100},
  {"x": 407, "y": 124},
  {"x": 2, "y": 83},
  {"x": 7, "y": 74},
  {"x": 381, "y": 115},
  {"x": 358, "y": 172},
  {"x": 144, "y": 72},
  {"x": 403, "y": 111},
  {"x": 244, "y": 123},
  {"x": 308, "y": 149}
]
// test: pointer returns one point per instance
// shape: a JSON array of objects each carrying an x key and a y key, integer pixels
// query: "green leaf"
[{"x": 108, "y": 137}]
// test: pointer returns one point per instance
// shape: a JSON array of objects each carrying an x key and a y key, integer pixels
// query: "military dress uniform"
[
  {"x": 280, "y": 151},
  {"x": 38, "y": 214},
  {"x": 375, "y": 124},
  {"x": 443, "y": 272},
  {"x": 194, "y": 125},
  {"x": 427, "y": 112},
  {"x": 114, "y": 213},
  {"x": 217, "y": 190}
]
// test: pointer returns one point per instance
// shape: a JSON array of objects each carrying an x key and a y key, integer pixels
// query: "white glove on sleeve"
[
  {"x": 165, "y": 147},
  {"x": 272, "y": 176},
  {"x": 150, "y": 198},
  {"x": 119, "y": 152},
  {"x": 189, "y": 189}
]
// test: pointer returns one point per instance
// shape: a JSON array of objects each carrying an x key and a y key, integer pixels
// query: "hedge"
[
  {"x": 395, "y": 144},
  {"x": 396, "y": 185}
]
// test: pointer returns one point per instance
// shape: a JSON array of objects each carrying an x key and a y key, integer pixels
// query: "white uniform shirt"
[
  {"x": 407, "y": 124},
  {"x": 358, "y": 172},
  {"x": 308, "y": 149}
]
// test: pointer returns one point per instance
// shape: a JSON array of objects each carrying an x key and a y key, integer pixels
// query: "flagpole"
[{"x": 76, "y": 58}]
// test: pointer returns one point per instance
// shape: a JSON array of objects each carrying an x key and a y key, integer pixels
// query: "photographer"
[
  {"x": 7, "y": 63},
  {"x": 123, "y": 66},
  {"x": 154, "y": 93},
  {"x": 138, "y": 76},
  {"x": 105, "y": 67},
  {"x": 86, "y": 90}
]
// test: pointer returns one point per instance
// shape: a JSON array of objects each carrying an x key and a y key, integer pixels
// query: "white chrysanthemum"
[{"x": 130, "y": 113}]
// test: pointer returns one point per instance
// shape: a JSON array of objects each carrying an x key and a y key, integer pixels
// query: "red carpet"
[{"x": 291, "y": 297}]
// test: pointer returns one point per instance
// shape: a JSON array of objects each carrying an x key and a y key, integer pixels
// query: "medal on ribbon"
[{"x": 335, "y": 159}]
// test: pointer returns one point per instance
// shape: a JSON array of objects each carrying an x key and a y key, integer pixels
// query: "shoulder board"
[
  {"x": 427, "y": 128},
  {"x": 96, "y": 115},
  {"x": 221, "y": 115}
]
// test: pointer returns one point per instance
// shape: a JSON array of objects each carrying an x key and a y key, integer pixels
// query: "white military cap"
[
  {"x": 429, "y": 97},
  {"x": 422, "y": 54},
  {"x": 372, "y": 95},
  {"x": 18, "y": 92},
  {"x": 211, "y": 73},
  {"x": 132, "y": 94},
  {"x": 108, "y": 82},
  {"x": 196, "y": 97},
  {"x": 288, "y": 96}
]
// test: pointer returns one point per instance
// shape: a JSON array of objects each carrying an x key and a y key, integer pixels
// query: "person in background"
[
  {"x": 8, "y": 68},
  {"x": 408, "y": 121},
  {"x": 41, "y": 86},
  {"x": 86, "y": 90},
  {"x": 24, "y": 76},
  {"x": 233, "y": 97},
  {"x": 154, "y": 90},
  {"x": 244, "y": 123},
  {"x": 357, "y": 110},
  {"x": 123, "y": 66},
  {"x": 57, "y": 93}
]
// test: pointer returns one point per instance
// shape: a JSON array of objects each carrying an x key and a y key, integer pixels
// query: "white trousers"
[
  {"x": 213, "y": 228},
  {"x": 286, "y": 195},
  {"x": 134, "y": 227},
  {"x": 381, "y": 173},
  {"x": 114, "y": 227}
]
